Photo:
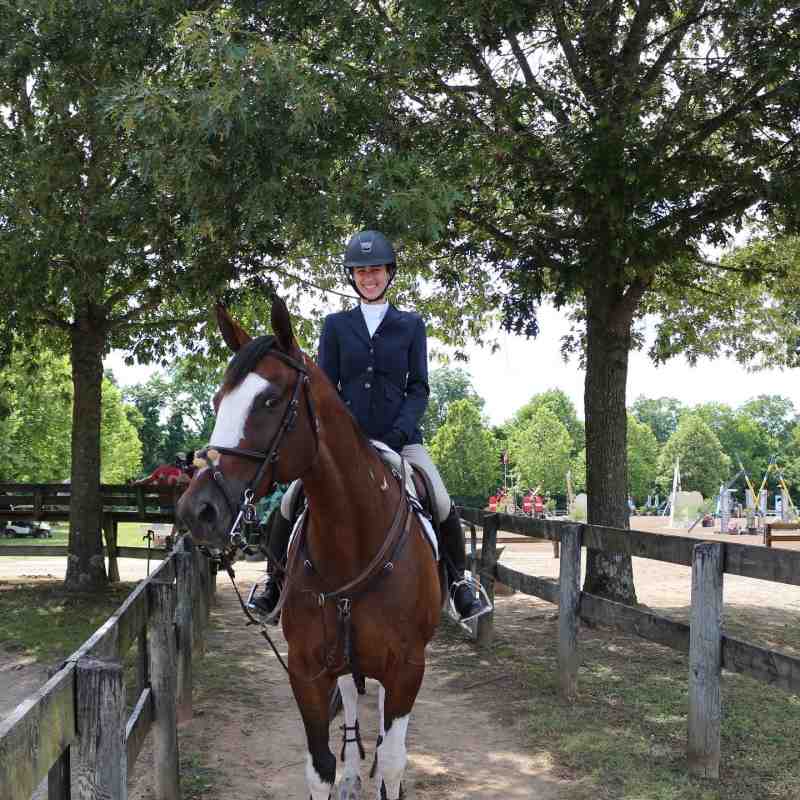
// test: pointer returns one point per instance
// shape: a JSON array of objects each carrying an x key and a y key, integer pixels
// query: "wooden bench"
[{"x": 770, "y": 537}]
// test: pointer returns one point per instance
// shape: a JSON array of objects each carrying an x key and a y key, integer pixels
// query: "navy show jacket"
[{"x": 384, "y": 379}]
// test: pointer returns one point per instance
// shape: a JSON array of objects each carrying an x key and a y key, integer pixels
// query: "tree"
[
  {"x": 589, "y": 150},
  {"x": 744, "y": 439},
  {"x": 37, "y": 392},
  {"x": 464, "y": 451},
  {"x": 540, "y": 451},
  {"x": 661, "y": 415},
  {"x": 745, "y": 308},
  {"x": 704, "y": 466},
  {"x": 115, "y": 232},
  {"x": 559, "y": 403},
  {"x": 776, "y": 414},
  {"x": 447, "y": 384},
  {"x": 642, "y": 458}
]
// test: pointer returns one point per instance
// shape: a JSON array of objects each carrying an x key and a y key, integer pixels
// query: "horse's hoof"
[
  {"x": 349, "y": 788},
  {"x": 383, "y": 795}
]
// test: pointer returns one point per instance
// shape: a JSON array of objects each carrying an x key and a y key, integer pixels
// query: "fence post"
[
  {"x": 58, "y": 787},
  {"x": 161, "y": 641},
  {"x": 99, "y": 758},
  {"x": 705, "y": 660},
  {"x": 185, "y": 579},
  {"x": 485, "y": 634},
  {"x": 569, "y": 594},
  {"x": 110, "y": 531}
]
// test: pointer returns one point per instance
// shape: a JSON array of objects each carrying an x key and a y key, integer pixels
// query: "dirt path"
[
  {"x": 247, "y": 741},
  {"x": 468, "y": 736}
]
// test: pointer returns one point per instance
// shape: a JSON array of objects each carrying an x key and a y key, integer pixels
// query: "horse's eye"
[{"x": 271, "y": 403}]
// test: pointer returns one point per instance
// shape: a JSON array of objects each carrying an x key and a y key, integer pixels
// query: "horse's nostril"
[{"x": 207, "y": 513}]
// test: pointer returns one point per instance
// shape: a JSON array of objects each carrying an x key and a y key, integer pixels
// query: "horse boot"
[
  {"x": 465, "y": 600},
  {"x": 278, "y": 544}
]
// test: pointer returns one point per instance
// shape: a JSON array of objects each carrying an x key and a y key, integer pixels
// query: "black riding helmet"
[{"x": 369, "y": 249}]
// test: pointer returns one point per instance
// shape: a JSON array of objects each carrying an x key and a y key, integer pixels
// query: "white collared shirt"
[{"x": 373, "y": 315}]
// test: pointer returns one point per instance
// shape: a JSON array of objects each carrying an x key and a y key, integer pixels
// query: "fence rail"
[
  {"x": 75, "y": 731},
  {"x": 708, "y": 647}
]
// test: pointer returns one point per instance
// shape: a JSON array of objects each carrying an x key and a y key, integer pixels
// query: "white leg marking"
[
  {"x": 381, "y": 703},
  {"x": 233, "y": 411},
  {"x": 352, "y": 758},
  {"x": 392, "y": 757},
  {"x": 318, "y": 788}
]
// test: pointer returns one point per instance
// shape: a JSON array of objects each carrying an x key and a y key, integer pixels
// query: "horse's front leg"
[
  {"x": 352, "y": 749},
  {"x": 312, "y": 700},
  {"x": 401, "y": 692}
]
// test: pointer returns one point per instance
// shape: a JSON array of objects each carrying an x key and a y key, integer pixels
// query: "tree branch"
[
  {"x": 586, "y": 86},
  {"x": 549, "y": 99}
]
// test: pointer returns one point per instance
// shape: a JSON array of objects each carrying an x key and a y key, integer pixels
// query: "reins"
[{"x": 381, "y": 564}]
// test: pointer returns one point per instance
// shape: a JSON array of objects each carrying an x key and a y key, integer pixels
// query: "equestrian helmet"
[{"x": 369, "y": 249}]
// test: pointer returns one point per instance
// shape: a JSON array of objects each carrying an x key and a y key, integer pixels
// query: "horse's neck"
[{"x": 351, "y": 498}]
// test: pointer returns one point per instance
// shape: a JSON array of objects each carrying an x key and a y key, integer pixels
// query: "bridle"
[{"x": 243, "y": 507}]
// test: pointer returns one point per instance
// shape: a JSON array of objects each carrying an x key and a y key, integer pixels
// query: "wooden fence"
[
  {"x": 76, "y": 730},
  {"x": 50, "y": 502},
  {"x": 709, "y": 648}
]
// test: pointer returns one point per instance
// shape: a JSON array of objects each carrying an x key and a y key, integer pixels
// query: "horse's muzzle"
[{"x": 204, "y": 511}]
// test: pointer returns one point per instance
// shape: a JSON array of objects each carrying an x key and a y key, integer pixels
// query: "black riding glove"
[{"x": 396, "y": 439}]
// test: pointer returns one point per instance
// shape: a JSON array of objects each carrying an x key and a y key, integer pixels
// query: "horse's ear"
[
  {"x": 282, "y": 325},
  {"x": 233, "y": 333}
]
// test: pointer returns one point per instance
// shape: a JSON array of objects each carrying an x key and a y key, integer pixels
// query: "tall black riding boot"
[
  {"x": 277, "y": 544},
  {"x": 465, "y": 600}
]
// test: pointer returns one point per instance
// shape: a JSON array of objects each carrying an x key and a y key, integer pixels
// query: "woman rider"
[{"x": 377, "y": 357}]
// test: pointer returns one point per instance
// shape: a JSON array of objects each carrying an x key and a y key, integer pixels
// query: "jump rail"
[
  {"x": 709, "y": 648},
  {"x": 75, "y": 731}
]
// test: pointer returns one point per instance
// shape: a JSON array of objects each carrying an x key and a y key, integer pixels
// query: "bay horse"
[{"x": 363, "y": 593}]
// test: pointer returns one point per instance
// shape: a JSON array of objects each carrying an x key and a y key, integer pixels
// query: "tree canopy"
[
  {"x": 703, "y": 464},
  {"x": 540, "y": 451},
  {"x": 465, "y": 453},
  {"x": 447, "y": 385}
]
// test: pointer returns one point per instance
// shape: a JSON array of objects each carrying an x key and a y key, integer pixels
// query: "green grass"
[
  {"x": 624, "y": 738},
  {"x": 43, "y": 621},
  {"x": 129, "y": 534}
]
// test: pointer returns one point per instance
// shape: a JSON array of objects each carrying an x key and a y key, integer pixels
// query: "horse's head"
[{"x": 265, "y": 431}]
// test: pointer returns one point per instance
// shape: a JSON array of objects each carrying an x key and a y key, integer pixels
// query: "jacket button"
[
  {"x": 367, "y": 385},
  {"x": 369, "y": 369}
]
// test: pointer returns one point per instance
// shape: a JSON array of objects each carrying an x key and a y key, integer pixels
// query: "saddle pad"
[{"x": 423, "y": 521}]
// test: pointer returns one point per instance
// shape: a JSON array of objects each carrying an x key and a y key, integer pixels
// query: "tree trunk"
[
  {"x": 86, "y": 570},
  {"x": 608, "y": 341}
]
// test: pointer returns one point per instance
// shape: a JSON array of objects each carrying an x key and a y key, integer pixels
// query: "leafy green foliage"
[
  {"x": 660, "y": 414},
  {"x": 447, "y": 385},
  {"x": 643, "y": 449},
  {"x": 540, "y": 451},
  {"x": 557, "y": 401},
  {"x": 464, "y": 451},
  {"x": 37, "y": 422},
  {"x": 703, "y": 464}
]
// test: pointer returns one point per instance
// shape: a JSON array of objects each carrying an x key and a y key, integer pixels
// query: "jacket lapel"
[
  {"x": 357, "y": 323},
  {"x": 388, "y": 318}
]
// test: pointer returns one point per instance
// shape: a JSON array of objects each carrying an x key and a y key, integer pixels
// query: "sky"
[{"x": 508, "y": 378}]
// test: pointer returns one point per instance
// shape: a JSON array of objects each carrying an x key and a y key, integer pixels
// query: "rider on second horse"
[{"x": 376, "y": 356}]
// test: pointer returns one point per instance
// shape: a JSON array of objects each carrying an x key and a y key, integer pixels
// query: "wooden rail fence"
[
  {"x": 709, "y": 648},
  {"x": 50, "y": 502},
  {"x": 76, "y": 730}
]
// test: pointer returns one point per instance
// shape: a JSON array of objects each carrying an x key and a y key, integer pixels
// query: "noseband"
[{"x": 244, "y": 508}]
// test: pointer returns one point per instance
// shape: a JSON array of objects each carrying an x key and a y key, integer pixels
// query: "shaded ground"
[{"x": 482, "y": 723}]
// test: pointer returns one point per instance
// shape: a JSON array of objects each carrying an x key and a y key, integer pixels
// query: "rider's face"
[{"x": 371, "y": 282}]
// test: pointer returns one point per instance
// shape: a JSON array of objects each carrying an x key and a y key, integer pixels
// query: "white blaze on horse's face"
[{"x": 233, "y": 411}]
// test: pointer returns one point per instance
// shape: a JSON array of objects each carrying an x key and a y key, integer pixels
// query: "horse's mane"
[
  {"x": 245, "y": 360},
  {"x": 248, "y": 356}
]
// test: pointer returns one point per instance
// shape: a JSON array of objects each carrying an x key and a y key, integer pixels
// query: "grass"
[
  {"x": 624, "y": 738},
  {"x": 44, "y": 621},
  {"x": 129, "y": 534}
]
